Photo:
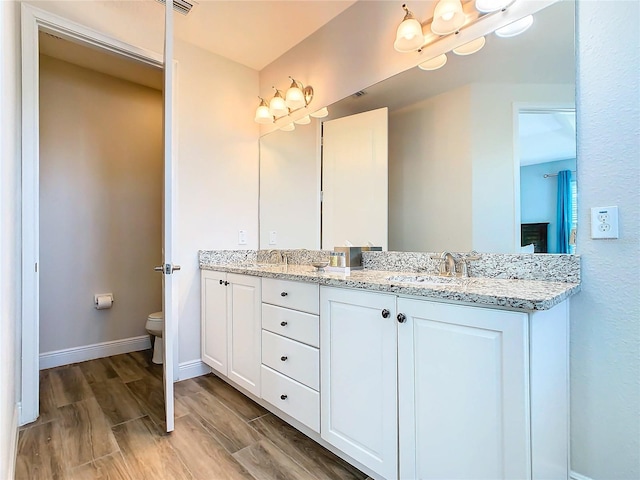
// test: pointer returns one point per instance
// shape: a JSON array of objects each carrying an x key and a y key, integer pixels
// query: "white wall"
[
  {"x": 9, "y": 227},
  {"x": 539, "y": 196},
  {"x": 605, "y": 316},
  {"x": 430, "y": 175},
  {"x": 101, "y": 150},
  {"x": 494, "y": 168},
  {"x": 605, "y": 366},
  {"x": 290, "y": 187}
]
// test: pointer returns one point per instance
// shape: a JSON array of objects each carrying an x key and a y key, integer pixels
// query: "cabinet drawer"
[
  {"x": 293, "y": 359},
  {"x": 299, "y": 326},
  {"x": 292, "y": 398},
  {"x": 297, "y": 295}
]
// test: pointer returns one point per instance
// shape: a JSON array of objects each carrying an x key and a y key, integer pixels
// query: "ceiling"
[{"x": 254, "y": 33}]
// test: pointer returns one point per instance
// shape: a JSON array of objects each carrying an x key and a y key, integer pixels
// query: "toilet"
[{"x": 155, "y": 325}]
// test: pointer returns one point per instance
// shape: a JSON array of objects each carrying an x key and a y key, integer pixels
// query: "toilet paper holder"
[{"x": 102, "y": 301}]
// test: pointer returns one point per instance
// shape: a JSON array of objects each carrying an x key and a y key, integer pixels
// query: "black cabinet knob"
[
  {"x": 226, "y": 283},
  {"x": 283, "y": 358},
  {"x": 385, "y": 313},
  {"x": 284, "y": 294},
  {"x": 221, "y": 282},
  {"x": 283, "y": 324},
  {"x": 401, "y": 318},
  {"x": 283, "y": 397}
]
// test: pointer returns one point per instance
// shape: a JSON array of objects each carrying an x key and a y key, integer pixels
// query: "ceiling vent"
[
  {"x": 359, "y": 94},
  {"x": 180, "y": 6}
]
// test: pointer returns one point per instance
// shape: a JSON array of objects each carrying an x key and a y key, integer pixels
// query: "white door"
[
  {"x": 463, "y": 392},
  {"x": 243, "y": 331},
  {"x": 358, "y": 359},
  {"x": 214, "y": 322},
  {"x": 169, "y": 288},
  {"x": 355, "y": 180}
]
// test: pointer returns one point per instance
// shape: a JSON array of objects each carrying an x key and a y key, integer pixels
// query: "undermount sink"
[{"x": 428, "y": 279}]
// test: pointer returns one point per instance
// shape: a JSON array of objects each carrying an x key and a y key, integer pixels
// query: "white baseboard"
[
  {"x": 577, "y": 476},
  {"x": 194, "y": 368},
  {"x": 97, "y": 350}
]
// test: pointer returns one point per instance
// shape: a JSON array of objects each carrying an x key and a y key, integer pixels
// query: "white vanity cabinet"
[
  {"x": 231, "y": 327},
  {"x": 463, "y": 392},
  {"x": 290, "y": 349},
  {"x": 358, "y": 336}
]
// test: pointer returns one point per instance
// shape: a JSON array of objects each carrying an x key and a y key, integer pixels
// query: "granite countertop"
[{"x": 528, "y": 295}]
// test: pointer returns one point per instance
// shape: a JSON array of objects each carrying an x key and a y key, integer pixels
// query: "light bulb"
[
  {"x": 448, "y": 17},
  {"x": 409, "y": 35},
  {"x": 470, "y": 47},
  {"x": 488, "y": 6},
  {"x": 262, "y": 113},
  {"x": 277, "y": 106},
  {"x": 323, "y": 112},
  {"x": 515, "y": 28},
  {"x": 294, "y": 97},
  {"x": 434, "y": 63}
]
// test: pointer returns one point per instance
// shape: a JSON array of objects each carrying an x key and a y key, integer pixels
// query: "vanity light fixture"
[
  {"x": 434, "y": 63},
  {"x": 323, "y": 112},
  {"x": 306, "y": 120},
  {"x": 289, "y": 127},
  {"x": 409, "y": 37},
  {"x": 515, "y": 28},
  {"x": 489, "y": 6},
  {"x": 296, "y": 98},
  {"x": 470, "y": 47},
  {"x": 448, "y": 17}
]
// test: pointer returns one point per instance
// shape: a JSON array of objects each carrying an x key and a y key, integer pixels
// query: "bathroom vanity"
[{"x": 402, "y": 374}]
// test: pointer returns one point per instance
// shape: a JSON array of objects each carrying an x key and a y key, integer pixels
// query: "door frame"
[
  {"x": 34, "y": 20},
  {"x": 521, "y": 107}
]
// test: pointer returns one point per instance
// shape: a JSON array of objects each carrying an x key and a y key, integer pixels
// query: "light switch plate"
[
  {"x": 604, "y": 222},
  {"x": 242, "y": 237},
  {"x": 273, "y": 237}
]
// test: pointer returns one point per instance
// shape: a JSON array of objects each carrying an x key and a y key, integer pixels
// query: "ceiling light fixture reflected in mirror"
[
  {"x": 323, "y": 112},
  {"x": 489, "y": 6},
  {"x": 471, "y": 47},
  {"x": 515, "y": 28},
  {"x": 434, "y": 63},
  {"x": 306, "y": 120},
  {"x": 289, "y": 127}
]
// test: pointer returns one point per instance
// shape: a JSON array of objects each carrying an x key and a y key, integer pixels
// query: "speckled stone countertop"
[{"x": 518, "y": 294}]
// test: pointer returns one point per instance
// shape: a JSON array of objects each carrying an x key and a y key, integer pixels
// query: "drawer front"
[
  {"x": 292, "y": 398},
  {"x": 293, "y": 359},
  {"x": 297, "y": 295},
  {"x": 299, "y": 326}
]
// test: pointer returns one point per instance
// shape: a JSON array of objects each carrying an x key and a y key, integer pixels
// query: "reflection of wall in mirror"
[
  {"x": 452, "y": 168},
  {"x": 539, "y": 195},
  {"x": 290, "y": 188}
]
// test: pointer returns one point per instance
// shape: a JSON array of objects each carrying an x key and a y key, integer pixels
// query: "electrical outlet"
[
  {"x": 604, "y": 222},
  {"x": 273, "y": 237},
  {"x": 242, "y": 237}
]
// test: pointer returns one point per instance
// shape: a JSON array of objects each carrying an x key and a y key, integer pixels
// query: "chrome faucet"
[
  {"x": 447, "y": 264},
  {"x": 281, "y": 257}
]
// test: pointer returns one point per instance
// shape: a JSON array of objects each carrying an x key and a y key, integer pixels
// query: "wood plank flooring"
[{"x": 103, "y": 419}]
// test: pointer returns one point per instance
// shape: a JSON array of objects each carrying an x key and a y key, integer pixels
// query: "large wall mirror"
[{"x": 477, "y": 152}]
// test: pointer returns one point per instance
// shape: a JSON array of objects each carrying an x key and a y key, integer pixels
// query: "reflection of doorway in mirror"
[{"x": 546, "y": 147}]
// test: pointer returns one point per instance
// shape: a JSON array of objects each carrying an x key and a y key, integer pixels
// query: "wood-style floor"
[{"x": 103, "y": 419}]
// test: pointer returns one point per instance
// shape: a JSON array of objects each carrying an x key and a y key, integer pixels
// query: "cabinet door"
[
  {"x": 214, "y": 320},
  {"x": 244, "y": 331},
  {"x": 463, "y": 392},
  {"x": 359, "y": 376}
]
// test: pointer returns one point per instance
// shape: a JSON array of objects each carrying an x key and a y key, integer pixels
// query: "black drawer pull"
[
  {"x": 284, "y": 294},
  {"x": 283, "y": 324},
  {"x": 385, "y": 313},
  {"x": 402, "y": 317},
  {"x": 283, "y": 358},
  {"x": 221, "y": 282},
  {"x": 283, "y": 397}
]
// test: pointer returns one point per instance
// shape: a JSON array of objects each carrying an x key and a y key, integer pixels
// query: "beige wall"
[
  {"x": 430, "y": 175},
  {"x": 10, "y": 367},
  {"x": 100, "y": 205},
  {"x": 605, "y": 365}
]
